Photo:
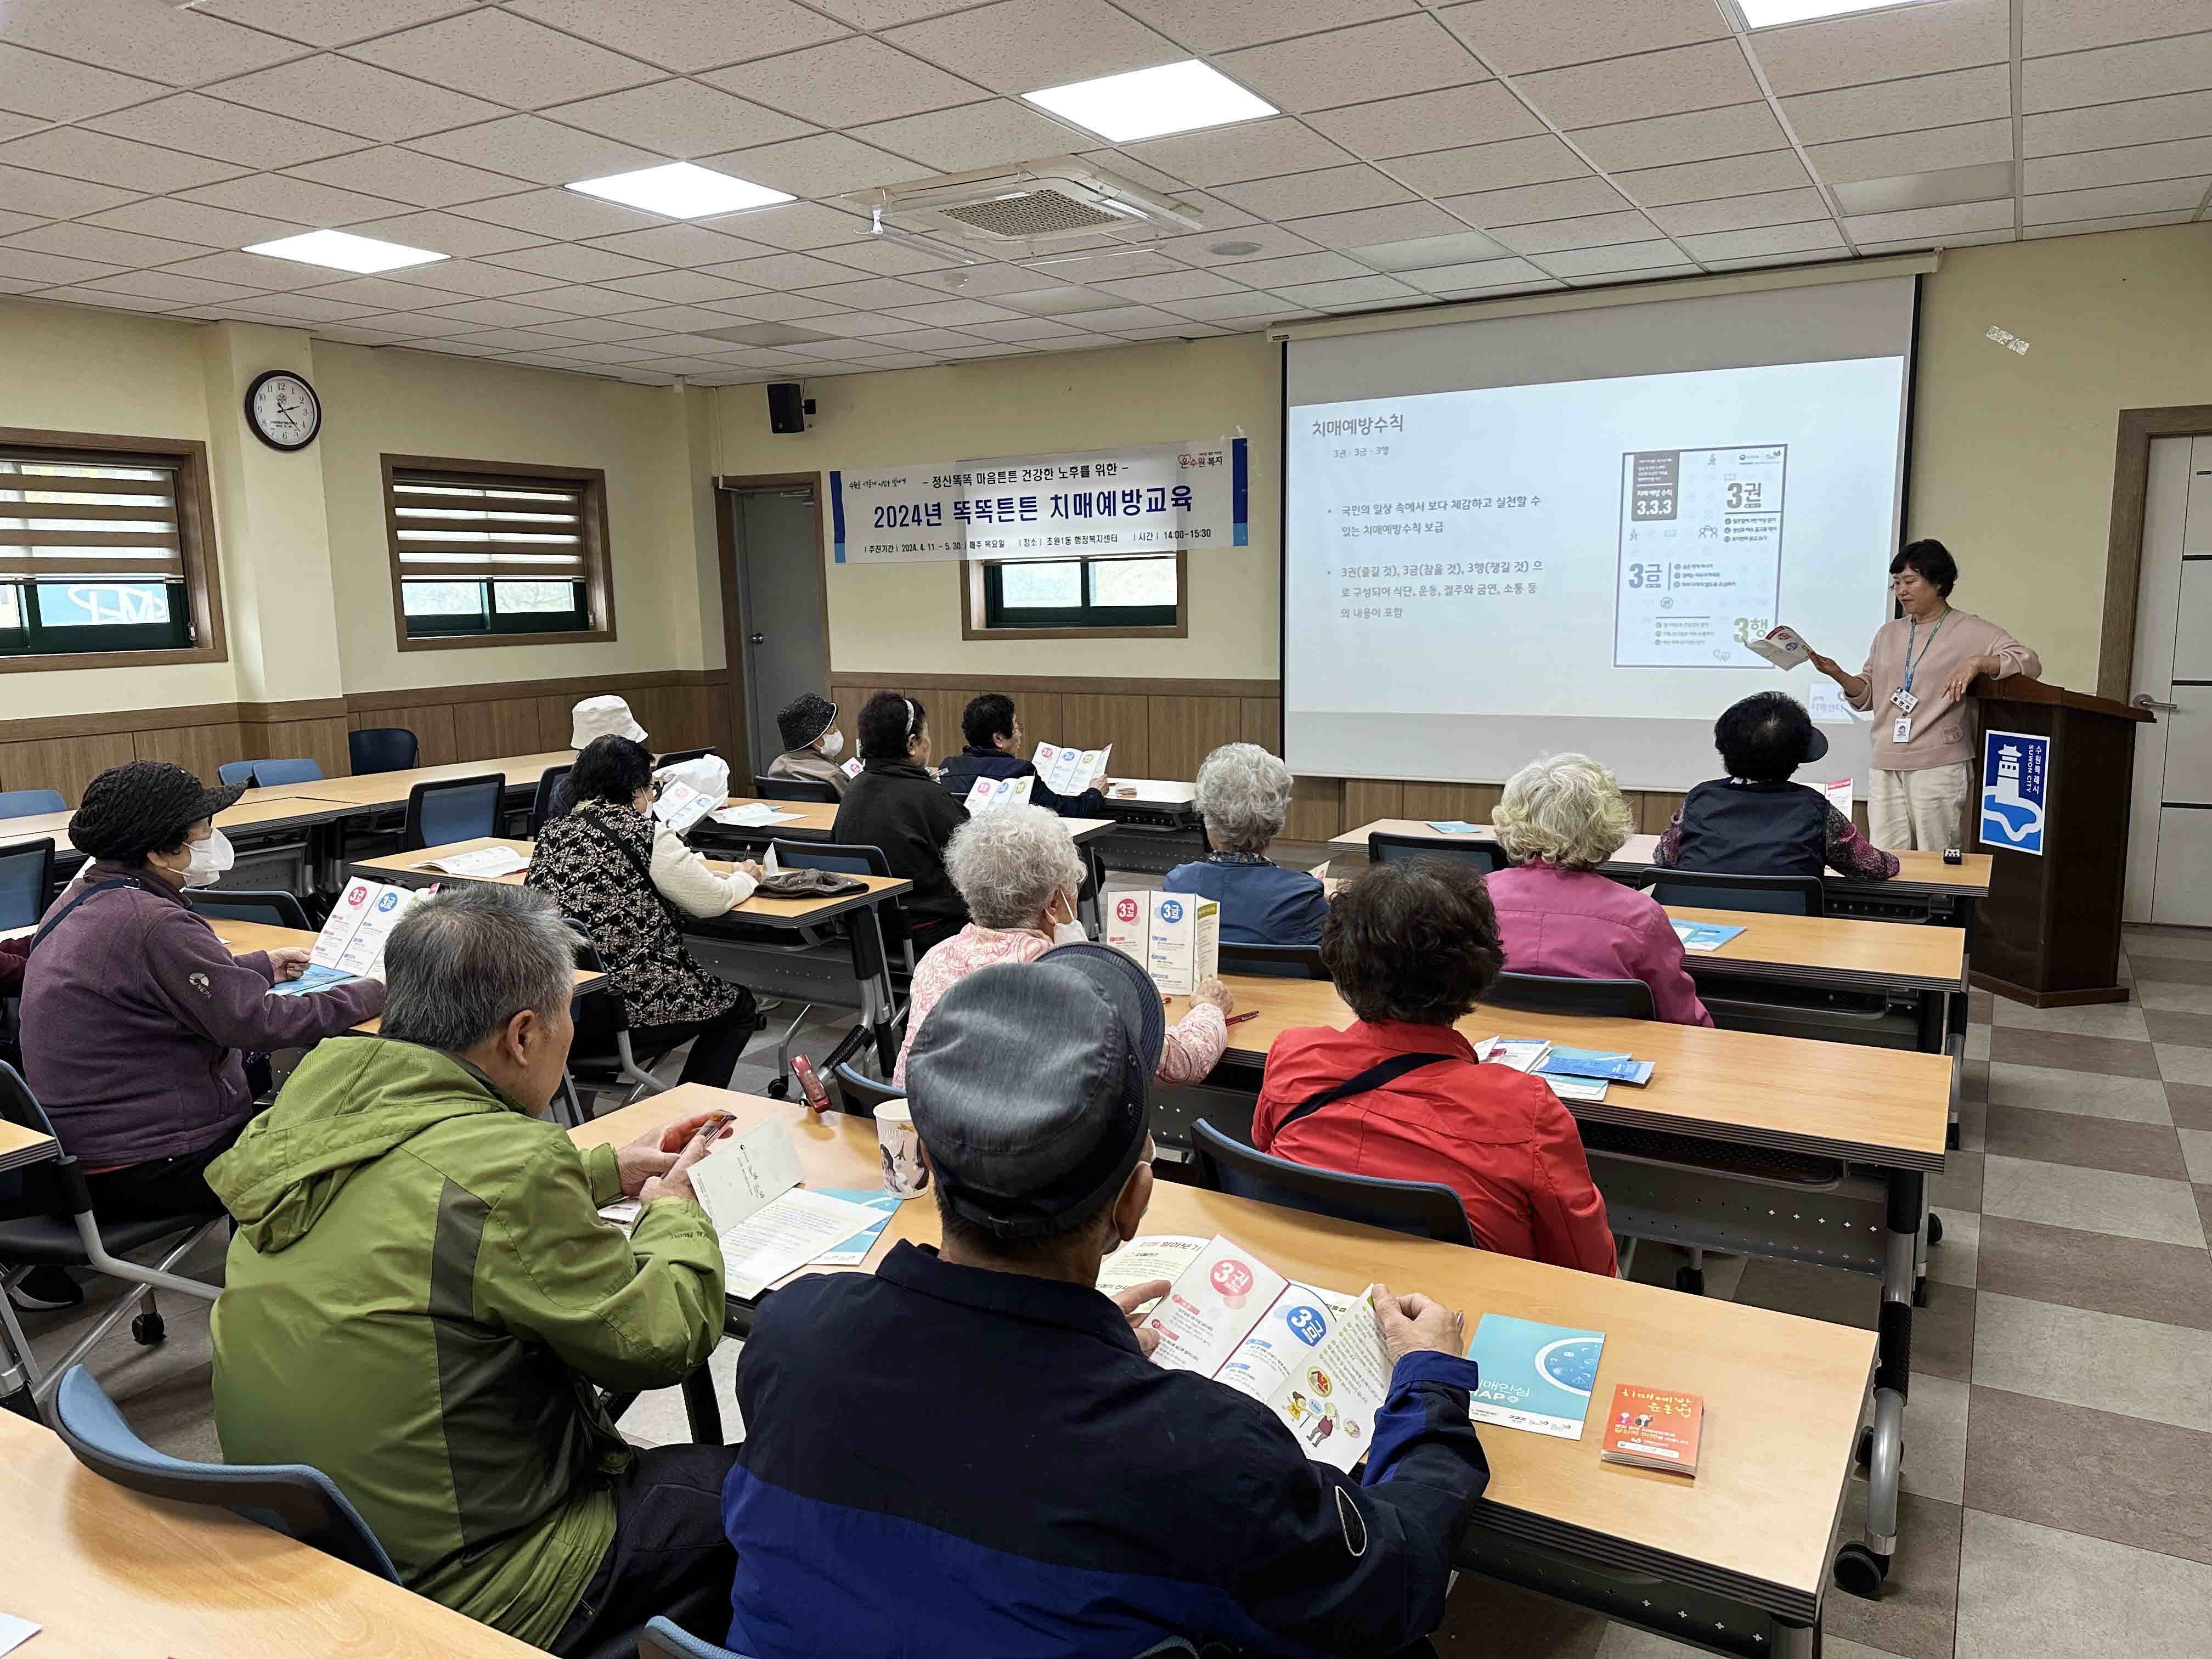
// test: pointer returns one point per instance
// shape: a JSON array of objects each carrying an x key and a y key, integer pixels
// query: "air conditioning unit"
[{"x": 1029, "y": 207}]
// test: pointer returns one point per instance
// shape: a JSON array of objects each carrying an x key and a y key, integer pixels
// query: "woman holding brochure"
[{"x": 627, "y": 878}]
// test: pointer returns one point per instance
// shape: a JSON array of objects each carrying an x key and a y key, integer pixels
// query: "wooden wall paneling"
[
  {"x": 1184, "y": 731},
  {"x": 1316, "y": 809},
  {"x": 1262, "y": 719},
  {"x": 553, "y": 717},
  {"x": 1367, "y": 799},
  {"x": 198, "y": 749},
  {"x": 943, "y": 705},
  {"x": 502, "y": 726},
  {"x": 1658, "y": 810},
  {"x": 1091, "y": 722},
  {"x": 64, "y": 764},
  {"x": 431, "y": 723},
  {"x": 1471, "y": 802},
  {"x": 1042, "y": 720},
  {"x": 322, "y": 741}
]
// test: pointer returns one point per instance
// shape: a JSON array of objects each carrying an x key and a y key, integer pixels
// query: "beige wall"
[{"x": 905, "y": 618}]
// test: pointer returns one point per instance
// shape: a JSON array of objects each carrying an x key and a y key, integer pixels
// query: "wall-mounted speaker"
[{"x": 788, "y": 406}]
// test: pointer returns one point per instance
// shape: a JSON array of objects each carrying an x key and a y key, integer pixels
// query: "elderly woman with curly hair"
[
  {"x": 1562, "y": 817},
  {"x": 1244, "y": 793},
  {"x": 1017, "y": 872}
]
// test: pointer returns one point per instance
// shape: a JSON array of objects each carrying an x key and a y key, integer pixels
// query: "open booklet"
[
  {"x": 351, "y": 944},
  {"x": 1070, "y": 771},
  {"x": 1783, "y": 646},
  {"x": 481, "y": 863},
  {"x": 768, "y": 1224},
  {"x": 1314, "y": 1358},
  {"x": 679, "y": 806}
]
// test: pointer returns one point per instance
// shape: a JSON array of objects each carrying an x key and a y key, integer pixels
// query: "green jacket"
[{"x": 420, "y": 1298}]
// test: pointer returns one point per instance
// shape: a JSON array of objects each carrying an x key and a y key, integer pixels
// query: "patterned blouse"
[{"x": 591, "y": 880}]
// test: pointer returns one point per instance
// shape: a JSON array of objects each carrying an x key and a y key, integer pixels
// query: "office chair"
[
  {"x": 677, "y": 757},
  {"x": 28, "y": 803},
  {"x": 811, "y": 790},
  {"x": 234, "y": 774},
  {"x": 460, "y": 809},
  {"x": 859, "y": 1094},
  {"x": 551, "y": 800},
  {"x": 300, "y": 1502},
  {"x": 1383, "y": 848},
  {"x": 46, "y": 1220},
  {"x": 276, "y": 909},
  {"x": 1602, "y": 999},
  {"x": 602, "y": 1056},
  {"x": 663, "y": 1638},
  {"x": 382, "y": 749},
  {"x": 1426, "y": 1209},
  {"x": 27, "y": 882},
  {"x": 299, "y": 769},
  {"x": 1277, "y": 961},
  {"x": 1782, "y": 896}
]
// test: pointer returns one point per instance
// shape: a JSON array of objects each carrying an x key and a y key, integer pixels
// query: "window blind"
[
  {"x": 453, "y": 526},
  {"x": 69, "y": 518}
]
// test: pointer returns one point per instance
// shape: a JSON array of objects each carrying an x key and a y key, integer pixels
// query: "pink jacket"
[{"x": 1576, "y": 924}]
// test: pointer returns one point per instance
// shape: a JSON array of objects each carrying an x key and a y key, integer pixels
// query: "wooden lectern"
[{"x": 2049, "y": 932}]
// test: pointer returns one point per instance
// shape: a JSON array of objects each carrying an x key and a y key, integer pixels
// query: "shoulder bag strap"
[
  {"x": 591, "y": 821},
  {"x": 58, "y": 916},
  {"x": 1375, "y": 1077}
]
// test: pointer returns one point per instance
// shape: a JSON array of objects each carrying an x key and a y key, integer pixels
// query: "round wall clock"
[{"x": 283, "y": 411}]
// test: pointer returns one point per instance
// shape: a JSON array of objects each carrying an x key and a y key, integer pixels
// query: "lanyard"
[{"x": 1911, "y": 634}]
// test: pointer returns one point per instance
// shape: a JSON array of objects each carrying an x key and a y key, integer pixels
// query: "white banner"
[{"x": 1151, "y": 498}]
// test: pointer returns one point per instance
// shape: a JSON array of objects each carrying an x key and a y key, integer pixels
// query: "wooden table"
[
  {"x": 19, "y": 1146},
  {"x": 381, "y": 791},
  {"x": 1750, "y": 1535},
  {"x": 111, "y": 1574}
]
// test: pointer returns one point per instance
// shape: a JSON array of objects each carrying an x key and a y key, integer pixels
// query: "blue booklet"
[
  {"x": 317, "y": 978},
  {"x": 1537, "y": 1377},
  {"x": 855, "y": 1250},
  {"x": 1585, "y": 1062},
  {"x": 1453, "y": 826},
  {"x": 1703, "y": 935}
]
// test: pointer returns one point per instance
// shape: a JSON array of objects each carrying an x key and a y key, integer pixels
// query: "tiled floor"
[{"x": 2059, "y": 1451}]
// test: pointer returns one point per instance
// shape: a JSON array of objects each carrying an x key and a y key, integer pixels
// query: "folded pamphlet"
[
  {"x": 1838, "y": 792},
  {"x": 855, "y": 1250},
  {"x": 1536, "y": 1377},
  {"x": 1583, "y": 1090},
  {"x": 316, "y": 978},
  {"x": 1588, "y": 1063},
  {"x": 351, "y": 943},
  {"x": 1070, "y": 771},
  {"x": 1454, "y": 827},
  {"x": 1783, "y": 646},
  {"x": 481, "y": 863},
  {"x": 679, "y": 806},
  {"x": 753, "y": 815},
  {"x": 852, "y": 768},
  {"x": 1703, "y": 935},
  {"x": 990, "y": 794},
  {"x": 1174, "y": 937},
  {"x": 1522, "y": 1053}
]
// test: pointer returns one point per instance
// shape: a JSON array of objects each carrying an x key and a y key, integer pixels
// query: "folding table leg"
[
  {"x": 702, "y": 1408},
  {"x": 1860, "y": 1568}
]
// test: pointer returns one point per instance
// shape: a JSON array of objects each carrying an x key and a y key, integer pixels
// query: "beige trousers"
[{"x": 1923, "y": 809}]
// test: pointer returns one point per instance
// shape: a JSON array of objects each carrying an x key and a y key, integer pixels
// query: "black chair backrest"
[
  {"x": 277, "y": 908},
  {"x": 1383, "y": 848},
  {"x": 19, "y": 1106},
  {"x": 677, "y": 757},
  {"x": 807, "y": 789},
  {"x": 1278, "y": 961},
  {"x": 457, "y": 808},
  {"x": 27, "y": 882},
  {"x": 862, "y": 1094},
  {"x": 1602, "y": 999},
  {"x": 382, "y": 749},
  {"x": 551, "y": 800},
  {"x": 600, "y": 1015},
  {"x": 1782, "y": 896},
  {"x": 1426, "y": 1209}
]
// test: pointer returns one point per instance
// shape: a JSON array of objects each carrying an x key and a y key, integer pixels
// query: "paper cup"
[{"x": 904, "y": 1173}]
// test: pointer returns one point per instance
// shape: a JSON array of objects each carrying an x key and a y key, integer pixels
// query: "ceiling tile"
[
  {"x": 338, "y": 92},
  {"x": 680, "y": 119},
  {"x": 572, "y": 263},
  {"x": 1906, "y": 244},
  {"x": 1430, "y": 253},
  {"x": 797, "y": 226},
  {"x": 2151, "y": 70},
  {"x": 1701, "y": 181},
  {"x": 1336, "y": 190},
  {"x": 253, "y": 271},
  {"x": 168, "y": 285},
  {"x": 31, "y": 266},
  {"x": 447, "y": 233},
  {"x": 1372, "y": 225},
  {"x": 1264, "y": 241},
  {"x": 560, "y": 213},
  {"x": 1768, "y": 238},
  {"x": 1588, "y": 230},
  {"x": 1518, "y": 36},
  {"x": 826, "y": 164},
  {"x": 1480, "y": 273},
  {"x": 860, "y": 325},
  {"x": 1766, "y": 261},
  {"x": 1094, "y": 265},
  {"x": 1177, "y": 285},
  {"x": 1606, "y": 261},
  {"x": 419, "y": 325},
  {"x": 599, "y": 329},
  {"x": 676, "y": 287},
  {"x": 468, "y": 277},
  {"x": 1324, "y": 267},
  {"x": 14, "y": 126},
  {"x": 1529, "y": 204},
  {"x": 1705, "y": 135},
  {"x": 1971, "y": 145},
  {"x": 847, "y": 83},
  {"x": 307, "y": 308},
  {"x": 159, "y": 42},
  {"x": 1038, "y": 328},
  {"x": 382, "y": 294},
  {"x": 2059, "y": 206},
  {"x": 1883, "y": 46},
  {"x": 1353, "y": 290},
  {"x": 1142, "y": 173},
  {"x": 678, "y": 244},
  {"x": 875, "y": 293},
  {"x": 12, "y": 222},
  {"x": 779, "y": 308},
  {"x": 75, "y": 153},
  {"x": 2138, "y": 121},
  {"x": 2135, "y": 164},
  {"x": 2090, "y": 227},
  {"x": 330, "y": 23},
  {"x": 56, "y": 89},
  {"x": 115, "y": 247},
  {"x": 47, "y": 197},
  {"x": 1208, "y": 26},
  {"x": 1062, "y": 301},
  {"x": 1223, "y": 308},
  {"x": 1250, "y": 149},
  {"x": 974, "y": 135},
  {"x": 1774, "y": 207},
  {"x": 494, "y": 313},
  {"x": 409, "y": 176},
  {"x": 1351, "y": 66},
  {"x": 2049, "y": 26},
  {"x": 1536, "y": 160},
  {"x": 1024, "y": 45},
  {"x": 1921, "y": 224},
  {"x": 301, "y": 200},
  {"x": 782, "y": 270},
  {"x": 580, "y": 299},
  {"x": 516, "y": 339},
  {"x": 687, "y": 36},
  {"x": 106, "y": 300},
  {"x": 1656, "y": 83},
  {"x": 604, "y": 353},
  {"x": 1939, "y": 187},
  {"x": 985, "y": 281},
  {"x": 1120, "y": 317},
  {"x": 919, "y": 339},
  {"x": 673, "y": 344},
  {"x": 879, "y": 257},
  {"x": 1478, "y": 115},
  {"x": 229, "y": 133},
  {"x": 531, "y": 147},
  {"x": 190, "y": 221},
  {"x": 1926, "y": 100},
  {"x": 493, "y": 54}
]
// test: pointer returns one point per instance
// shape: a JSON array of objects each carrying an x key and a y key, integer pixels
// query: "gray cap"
[{"x": 1030, "y": 1085}]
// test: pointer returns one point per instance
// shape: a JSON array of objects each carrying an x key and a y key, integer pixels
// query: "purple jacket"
[
  {"x": 1576, "y": 924},
  {"x": 136, "y": 1018}
]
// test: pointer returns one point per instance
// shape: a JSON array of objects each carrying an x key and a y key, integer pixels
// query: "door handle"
[
  {"x": 2142, "y": 699},
  {"x": 762, "y": 639}
]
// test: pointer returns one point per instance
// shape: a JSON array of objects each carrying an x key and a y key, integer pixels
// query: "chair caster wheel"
[
  {"x": 1920, "y": 1292},
  {"x": 1862, "y": 1456},
  {"x": 1691, "y": 1281},
  {"x": 1951, "y": 1139},
  {"x": 1935, "y": 1228},
  {"x": 1860, "y": 1571},
  {"x": 147, "y": 1329},
  {"x": 780, "y": 1089}
]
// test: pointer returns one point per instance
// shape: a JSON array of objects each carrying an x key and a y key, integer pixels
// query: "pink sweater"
[
  {"x": 1942, "y": 727},
  {"x": 1576, "y": 924}
]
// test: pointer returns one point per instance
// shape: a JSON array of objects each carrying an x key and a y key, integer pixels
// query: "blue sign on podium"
[{"x": 2015, "y": 781}]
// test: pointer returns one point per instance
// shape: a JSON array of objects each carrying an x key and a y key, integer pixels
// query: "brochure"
[
  {"x": 768, "y": 1226},
  {"x": 351, "y": 943},
  {"x": 679, "y": 806},
  {"x": 1581, "y": 1089},
  {"x": 1174, "y": 937},
  {"x": 1141, "y": 1261},
  {"x": 753, "y": 815},
  {"x": 483, "y": 864},
  {"x": 1454, "y": 827},
  {"x": 316, "y": 978},
  {"x": 1070, "y": 771},
  {"x": 1522, "y": 1053},
  {"x": 1702, "y": 935},
  {"x": 1654, "y": 1429},
  {"x": 1315, "y": 1359},
  {"x": 990, "y": 794},
  {"x": 1587, "y": 1063},
  {"x": 1536, "y": 1377},
  {"x": 855, "y": 1250},
  {"x": 1838, "y": 792},
  {"x": 1783, "y": 646}
]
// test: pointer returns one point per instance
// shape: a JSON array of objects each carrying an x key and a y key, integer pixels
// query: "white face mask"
[
  {"x": 1070, "y": 932},
  {"x": 833, "y": 745},
  {"x": 208, "y": 859}
]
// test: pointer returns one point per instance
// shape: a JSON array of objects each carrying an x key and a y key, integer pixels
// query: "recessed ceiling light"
[
  {"x": 1233, "y": 250},
  {"x": 1151, "y": 103},
  {"x": 343, "y": 251},
  {"x": 1944, "y": 187},
  {"x": 1766, "y": 14},
  {"x": 680, "y": 191}
]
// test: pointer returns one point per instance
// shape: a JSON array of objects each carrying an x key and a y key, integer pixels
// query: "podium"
[{"x": 2049, "y": 932}]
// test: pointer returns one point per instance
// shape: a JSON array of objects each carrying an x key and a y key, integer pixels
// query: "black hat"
[
  {"x": 141, "y": 807},
  {"x": 804, "y": 720},
  {"x": 1030, "y": 1085}
]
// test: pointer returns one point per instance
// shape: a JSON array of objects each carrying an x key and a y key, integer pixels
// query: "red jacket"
[{"x": 1501, "y": 1139}]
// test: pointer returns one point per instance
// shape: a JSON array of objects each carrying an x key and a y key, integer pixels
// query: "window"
[
  {"x": 1121, "y": 596},
  {"x": 104, "y": 554},
  {"x": 486, "y": 553}
]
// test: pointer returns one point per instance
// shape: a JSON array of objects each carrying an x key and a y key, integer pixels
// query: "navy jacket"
[
  {"x": 1743, "y": 828},
  {"x": 943, "y": 1462},
  {"x": 1262, "y": 903},
  {"x": 897, "y": 806},
  {"x": 972, "y": 764}
]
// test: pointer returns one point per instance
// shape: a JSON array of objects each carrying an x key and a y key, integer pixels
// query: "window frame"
[
  {"x": 598, "y": 578},
  {"x": 977, "y": 602},
  {"x": 187, "y": 460}
]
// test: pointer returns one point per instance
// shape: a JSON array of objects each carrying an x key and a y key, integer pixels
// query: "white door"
[{"x": 2170, "y": 852}]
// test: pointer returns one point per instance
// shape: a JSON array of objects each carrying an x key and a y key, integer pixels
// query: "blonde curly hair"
[{"x": 1565, "y": 810}]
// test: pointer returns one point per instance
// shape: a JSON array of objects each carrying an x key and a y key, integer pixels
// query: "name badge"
[
  {"x": 1905, "y": 702},
  {"x": 1902, "y": 731}
]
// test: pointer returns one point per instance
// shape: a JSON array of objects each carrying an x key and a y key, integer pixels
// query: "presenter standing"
[{"x": 1915, "y": 678}]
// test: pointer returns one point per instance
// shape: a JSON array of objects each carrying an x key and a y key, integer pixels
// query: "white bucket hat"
[{"x": 596, "y": 717}]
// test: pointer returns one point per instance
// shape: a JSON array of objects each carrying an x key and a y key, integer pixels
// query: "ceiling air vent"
[{"x": 1030, "y": 208}]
